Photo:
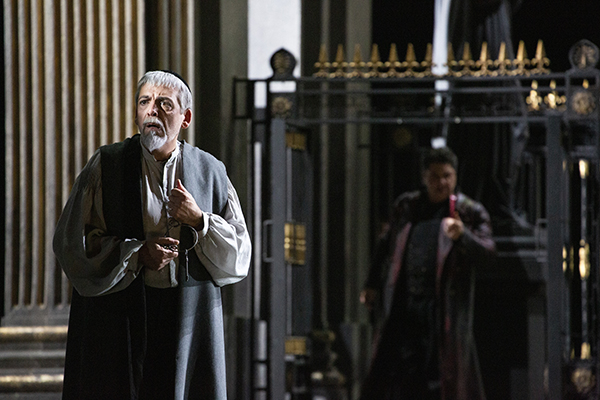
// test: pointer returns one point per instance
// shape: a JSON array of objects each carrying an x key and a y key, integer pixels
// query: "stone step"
[
  {"x": 31, "y": 396},
  {"x": 30, "y": 359},
  {"x": 31, "y": 362},
  {"x": 31, "y": 383},
  {"x": 35, "y": 334}
]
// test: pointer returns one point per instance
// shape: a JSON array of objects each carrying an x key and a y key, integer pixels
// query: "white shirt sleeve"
[
  {"x": 224, "y": 246},
  {"x": 95, "y": 263}
]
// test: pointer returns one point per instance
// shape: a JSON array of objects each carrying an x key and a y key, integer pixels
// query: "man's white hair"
[{"x": 167, "y": 79}]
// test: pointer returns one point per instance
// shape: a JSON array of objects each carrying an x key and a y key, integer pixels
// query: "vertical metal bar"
[
  {"x": 324, "y": 204},
  {"x": 277, "y": 270},
  {"x": 259, "y": 327},
  {"x": 583, "y": 241},
  {"x": 351, "y": 213},
  {"x": 555, "y": 284},
  {"x": 289, "y": 218},
  {"x": 257, "y": 222}
]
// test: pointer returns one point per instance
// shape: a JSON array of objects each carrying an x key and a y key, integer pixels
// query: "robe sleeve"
[
  {"x": 380, "y": 260},
  {"x": 94, "y": 262},
  {"x": 477, "y": 242},
  {"x": 224, "y": 246}
]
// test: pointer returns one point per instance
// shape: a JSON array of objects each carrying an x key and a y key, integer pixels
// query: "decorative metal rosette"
[
  {"x": 584, "y": 54},
  {"x": 583, "y": 102}
]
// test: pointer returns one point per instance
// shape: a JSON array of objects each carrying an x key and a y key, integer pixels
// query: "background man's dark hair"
[{"x": 442, "y": 155}]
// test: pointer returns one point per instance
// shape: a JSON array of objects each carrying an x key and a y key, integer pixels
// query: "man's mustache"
[{"x": 153, "y": 121}]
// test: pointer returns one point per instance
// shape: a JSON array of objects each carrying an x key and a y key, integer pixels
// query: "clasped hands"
[{"x": 157, "y": 253}]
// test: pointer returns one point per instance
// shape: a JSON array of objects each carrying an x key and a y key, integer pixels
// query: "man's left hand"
[
  {"x": 453, "y": 228},
  {"x": 183, "y": 207}
]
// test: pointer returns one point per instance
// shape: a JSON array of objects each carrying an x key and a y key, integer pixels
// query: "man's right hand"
[
  {"x": 368, "y": 297},
  {"x": 155, "y": 253}
]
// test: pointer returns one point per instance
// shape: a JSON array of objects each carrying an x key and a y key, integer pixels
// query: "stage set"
[{"x": 317, "y": 170}]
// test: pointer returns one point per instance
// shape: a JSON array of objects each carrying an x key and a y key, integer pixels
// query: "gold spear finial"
[
  {"x": 410, "y": 61},
  {"x": 393, "y": 54},
  {"x": 540, "y": 62},
  {"x": 450, "y": 53},
  {"x": 484, "y": 61},
  {"x": 357, "y": 55},
  {"x": 451, "y": 61},
  {"x": 339, "y": 64},
  {"x": 467, "y": 52},
  {"x": 521, "y": 61},
  {"x": 322, "y": 64},
  {"x": 502, "y": 64},
  {"x": 502, "y": 53},
  {"x": 521, "y": 52},
  {"x": 392, "y": 62},
  {"x": 375, "y": 53},
  {"x": 375, "y": 62},
  {"x": 357, "y": 64},
  {"x": 410, "y": 53},
  {"x": 467, "y": 61},
  {"x": 428, "y": 54},
  {"x": 339, "y": 56},
  {"x": 484, "y": 55},
  {"x": 427, "y": 63},
  {"x": 540, "y": 52}
]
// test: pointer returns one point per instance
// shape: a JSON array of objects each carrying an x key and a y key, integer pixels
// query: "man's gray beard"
[{"x": 153, "y": 141}]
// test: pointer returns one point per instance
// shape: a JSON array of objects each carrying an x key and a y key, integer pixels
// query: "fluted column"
[{"x": 70, "y": 73}]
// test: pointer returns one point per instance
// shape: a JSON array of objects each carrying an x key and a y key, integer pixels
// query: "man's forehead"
[
  {"x": 440, "y": 168},
  {"x": 157, "y": 90}
]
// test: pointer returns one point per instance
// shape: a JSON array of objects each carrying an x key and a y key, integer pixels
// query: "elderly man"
[
  {"x": 151, "y": 231},
  {"x": 424, "y": 270}
]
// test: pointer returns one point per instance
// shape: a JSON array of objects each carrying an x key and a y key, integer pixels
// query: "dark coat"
[
  {"x": 454, "y": 287},
  {"x": 107, "y": 334}
]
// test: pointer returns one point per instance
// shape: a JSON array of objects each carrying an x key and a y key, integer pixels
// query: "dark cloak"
[
  {"x": 455, "y": 280},
  {"x": 107, "y": 334}
]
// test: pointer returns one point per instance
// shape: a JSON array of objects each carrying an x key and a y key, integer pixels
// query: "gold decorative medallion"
[
  {"x": 281, "y": 107},
  {"x": 583, "y": 102},
  {"x": 584, "y": 380}
]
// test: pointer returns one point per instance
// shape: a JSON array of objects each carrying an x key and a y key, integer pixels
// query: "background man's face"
[{"x": 440, "y": 180}]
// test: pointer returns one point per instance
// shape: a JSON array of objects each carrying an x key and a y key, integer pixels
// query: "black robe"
[{"x": 456, "y": 263}]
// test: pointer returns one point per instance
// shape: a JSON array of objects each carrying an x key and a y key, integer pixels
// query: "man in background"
[{"x": 422, "y": 278}]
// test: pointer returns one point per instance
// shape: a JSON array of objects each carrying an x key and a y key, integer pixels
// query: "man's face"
[
  {"x": 440, "y": 180},
  {"x": 159, "y": 116}
]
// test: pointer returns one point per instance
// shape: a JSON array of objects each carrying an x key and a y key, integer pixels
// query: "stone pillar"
[{"x": 71, "y": 69}]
